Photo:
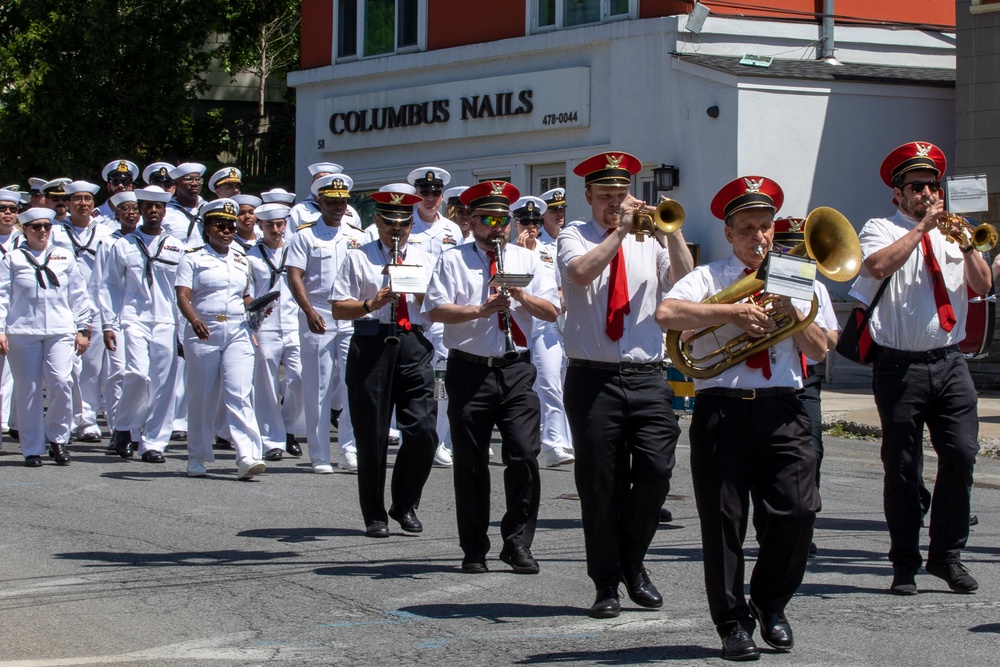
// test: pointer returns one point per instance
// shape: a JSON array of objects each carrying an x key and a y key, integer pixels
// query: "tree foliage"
[{"x": 83, "y": 83}]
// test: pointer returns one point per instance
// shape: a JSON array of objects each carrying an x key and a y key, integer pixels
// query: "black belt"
[
  {"x": 747, "y": 394},
  {"x": 925, "y": 356},
  {"x": 618, "y": 367},
  {"x": 414, "y": 328},
  {"x": 492, "y": 362}
]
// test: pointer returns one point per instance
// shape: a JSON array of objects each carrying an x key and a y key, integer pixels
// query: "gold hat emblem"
[
  {"x": 795, "y": 224},
  {"x": 430, "y": 176},
  {"x": 162, "y": 171},
  {"x": 122, "y": 167},
  {"x": 753, "y": 187},
  {"x": 396, "y": 197},
  {"x": 557, "y": 197},
  {"x": 922, "y": 150},
  {"x": 337, "y": 183},
  {"x": 497, "y": 187},
  {"x": 530, "y": 206},
  {"x": 614, "y": 162},
  {"x": 229, "y": 208},
  {"x": 234, "y": 174}
]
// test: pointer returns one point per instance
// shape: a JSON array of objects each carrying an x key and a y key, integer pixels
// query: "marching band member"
[
  {"x": 490, "y": 375},
  {"x": 213, "y": 289},
  {"x": 138, "y": 299},
  {"x": 749, "y": 430},
  {"x": 280, "y": 407},
  {"x": 45, "y": 317},
  {"x": 314, "y": 257},
  {"x": 618, "y": 403},
  {"x": 388, "y": 367},
  {"x": 547, "y": 351}
]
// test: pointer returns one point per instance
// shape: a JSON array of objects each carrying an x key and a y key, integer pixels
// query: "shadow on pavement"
[
  {"x": 388, "y": 570},
  {"x": 299, "y": 534},
  {"x": 632, "y": 656},
  {"x": 501, "y": 612},
  {"x": 834, "y": 523},
  {"x": 185, "y": 558}
]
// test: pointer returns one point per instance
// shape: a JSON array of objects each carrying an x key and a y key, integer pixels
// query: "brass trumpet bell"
[{"x": 668, "y": 218}]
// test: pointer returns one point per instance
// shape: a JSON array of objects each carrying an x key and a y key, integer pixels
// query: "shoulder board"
[
  {"x": 306, "y": 224},
  {"x": 194, "y": 249},
  {"x": 354, "y": 227}
]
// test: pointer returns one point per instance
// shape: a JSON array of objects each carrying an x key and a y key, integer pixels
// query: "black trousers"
[
  {"x": 479, "y": 399},
  {"x": 381, "y": 377},
  {"x": 763, "y": 445},
  {"x": 624, "y": 436},
  {"x": 940, "y": 395}
]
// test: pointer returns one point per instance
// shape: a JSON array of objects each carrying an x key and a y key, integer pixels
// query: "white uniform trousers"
[
  {"x": 114, "y": 374},
  {"x": 222, "y": 365},
  {"x": 180, "y": 396},
  {"x": 440, "y": 361},
  {"x": 148, "y": 379},
  {"x": 549, "y": 357},
  {"x": 87, "y": 387},
  {"x": 6, "y": 391},
  {"x": 324, "y": 356},
  {"x": 279, "y": 406},
  {"x": 38, "y": 361}
]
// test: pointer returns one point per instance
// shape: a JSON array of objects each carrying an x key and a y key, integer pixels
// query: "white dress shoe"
[
  {"x": 247, "y": 468},
  {"x": 322, "y": 467},
  {"x": 348, "y": 462},
  {"x": 558, "y": 456},
  {"x": 196, "y": 467},
  {"x": 442, "y": 456}
]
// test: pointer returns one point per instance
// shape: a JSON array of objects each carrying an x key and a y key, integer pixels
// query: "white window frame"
[
  {"x": 979, "y": 7},
  {"x": 532, "y": 18},
  {"x": 421, "y": 44}
]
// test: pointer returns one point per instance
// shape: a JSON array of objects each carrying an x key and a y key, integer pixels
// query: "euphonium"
[
  {"x": 668, "y": 218},
  {"x": 510, "y": 350},
  {"x": 830, "y": 240}
]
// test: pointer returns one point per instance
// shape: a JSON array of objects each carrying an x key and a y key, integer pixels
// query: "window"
[
  {"x": 550, "y": 14},
  {"x": 367, "y": 28},
  {"x": 983, "y": 6}
]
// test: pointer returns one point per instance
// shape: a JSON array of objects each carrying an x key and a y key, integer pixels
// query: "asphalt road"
[{"x": 125, "y": 563}]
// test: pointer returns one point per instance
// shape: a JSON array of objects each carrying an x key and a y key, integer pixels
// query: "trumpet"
[
  {"x": 983, "y": 238},
  {"x": 393, "y": 337},
  {"x": 830, "y": 240},
  {"x": 510, "y": 350},
  {"x": 668, "y": 217}
]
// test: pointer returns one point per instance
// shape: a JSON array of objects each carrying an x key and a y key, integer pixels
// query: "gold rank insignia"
[
  {"x": 229, "y": 208},
  {"x": 122, "y": 167},
  {"x": 614, "y": 162}
]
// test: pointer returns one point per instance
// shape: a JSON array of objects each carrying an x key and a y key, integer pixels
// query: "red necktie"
[
  {"x": 402, "y": 313},
  {"x": 515, "y": 330},
  {"x": 762, "y": 360},
  {"x": 618, "y": 305},
  {"x": 946, "y": 314}
]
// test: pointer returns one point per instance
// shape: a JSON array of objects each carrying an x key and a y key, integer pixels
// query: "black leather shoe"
[
  {"x": 774, "y": 629},
  {"x": 973, "y": 520},
  {"x": 739, "y": 646},
  {"x": 153, "y": 456},
  {"x": 90, "y": 437},
  {"x": 408, "y": 520},
  {"x": 292, "y": 447},
  {"x": 474, "y": 565},
  {"x": 955, "y": 575},
  {"x": 335, "y": 418},
  {"x": 222, "y": 443},
  {"x": 273, "y": 454},
  {"x": 14, "y": 434},
  {"x": 123, "y": 444},
  {"x": 606, "y": 604},
  {"x": 179, "y": 436},
  {"x": 904, "y": 581},
  {"x": 665, "y": 515},
  {"x": 32, "y": 461},
  {"x": 377, "y": 529},
  {"x": 520, "y": 559},
  {"x": 640, "y": 589},
  {"x": 59, "y": 454}
]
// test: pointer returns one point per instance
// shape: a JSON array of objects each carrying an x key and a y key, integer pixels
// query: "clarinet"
[
  {"x": 393, "y": 338},
  {"x": 510, "y": 350}
]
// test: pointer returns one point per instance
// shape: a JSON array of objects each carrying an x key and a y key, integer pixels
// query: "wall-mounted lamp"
[{"x": 666, "y": 177}]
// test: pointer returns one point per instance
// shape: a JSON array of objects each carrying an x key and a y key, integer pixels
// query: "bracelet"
[
  {"x": 364, "y": 304},
  {"x": 967, "y": 249}
]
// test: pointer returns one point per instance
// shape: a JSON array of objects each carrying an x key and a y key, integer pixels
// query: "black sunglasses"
[
  {"x": 918, "y": 186},
  {"x": 430, "y": 191},
  {"x": 38, "y": 226},
  {"x": 8, "y": 209},
  {"x": 223, "y": 226}
]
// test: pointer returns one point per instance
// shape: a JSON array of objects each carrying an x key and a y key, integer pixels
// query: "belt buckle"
[
  {"x": 489, "y": 362},
  {"x": 750, "y": 395},
  {"x": 220, "y": 317}
]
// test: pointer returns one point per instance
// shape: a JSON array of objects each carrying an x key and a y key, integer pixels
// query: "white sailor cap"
[
  {"x": 555, "y": 198},
  {"x": 153, "y": 193},
  {"x": 81, "y": 186},
  {"x": 404, "y": 188},
  {"x": 36, "y": 213},
  {"x": 225, "y": 176},
  {"x": 325, "y": 168},
  {"x": 186, "y": 168},
  {"x": 120, "y": 168},
  {"x": 272, "y": 211},
  {"x": 277, "y": 196},
  {"x": 434, "y": 177},
  {"x": 332, "y": 186},
  {"x": 528, "y": 208},
  {"x": 453, "y": 193},
  {"x": 36, "y": 184},
  {"x": 122, "y": 197},
  {"x": 225, "y": 209},
  {"x": 247, "y": 200},
  {"x": 55, "y": 186},
  {"x": 13, "y": 196},
  {"x": 161, "y": 169}
]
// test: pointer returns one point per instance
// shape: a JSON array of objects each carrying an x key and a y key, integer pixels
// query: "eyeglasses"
[
  {"x": 536, "y": 223},
  {"x": 128, "y": 208},
  {"x": 57, "y": 197},
  {"x": 425, "y": 192},
  {"x": 8, "y": 209},
  {"x": 190, "y": 179},
  {"x": 398, "y": 223},
  {"x": 38, "y": 226},
  {"x": 119, "y": 181},
  {"x": 494, "y": 220},
  {"x": 80, "y": 199},
  {"x": 918, "y": 186},
  {"x": 224, "y": 226},
  {"x": 166, "y": 182}
]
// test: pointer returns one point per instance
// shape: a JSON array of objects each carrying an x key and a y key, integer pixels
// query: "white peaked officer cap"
[
  {"x": 120, "y": 167},
  {"x": 422, "y": 176},
  {"x": 333, "y": 186},
  {"x": 224, "y": 176},
  {"x": 162, "y": 167}
]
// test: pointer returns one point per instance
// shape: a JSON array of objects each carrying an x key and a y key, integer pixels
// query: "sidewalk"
[{"x": 854, "y": 410}]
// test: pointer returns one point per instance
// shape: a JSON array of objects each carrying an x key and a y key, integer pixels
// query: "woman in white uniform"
[
  {"x": 213, "y": 288},
  {"x": 10, "y": 238},
  {"x": 44, "y": 319}
]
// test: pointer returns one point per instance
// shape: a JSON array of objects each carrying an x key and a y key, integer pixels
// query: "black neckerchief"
[
  {"x": 154, "y": 257},
  {"x": 42, "y": 270},
  {"x": 195, "y": 218},
  {"x": 275, "y": 270},
  {"x": 78, "y": 248}
]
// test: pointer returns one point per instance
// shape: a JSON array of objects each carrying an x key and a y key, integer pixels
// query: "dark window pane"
[
  {"x": 380, "y": 24},
  {"x": 546, "y": 12},
  {"x": 579, "y": 12},
  {"x": 618, "y": 7},
  {"x": 347, "y": 24},
  {"x": 406, "y": 23}
]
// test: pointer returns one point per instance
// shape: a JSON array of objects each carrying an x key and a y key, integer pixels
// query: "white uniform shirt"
[
  {"x": 106, "y": 216},
  {"x": 127, "y": 294},
  {"x": 319, "y": 250},
  {"x": 218, "y": 283},
  {"x": 825, "y": 318},
  {"x": 97, "y": 281},
  {"x": 269, "y": 275},
  {"x": 462, "y": 277},
  {"x": 184, "y": 223},
  {"x": 28, "y": 308},
  {"x": 785, "y": 359},
  {"x": 10, "y": 242},
  {"x": 906, "y": 315},
  {"x": 361, "y": 277},
  {"x": 82, "y": 243},
  {"x": 646, "y": 264},
  {"x": 547, "y": 256},
  {"x": 436, "y": 237}
]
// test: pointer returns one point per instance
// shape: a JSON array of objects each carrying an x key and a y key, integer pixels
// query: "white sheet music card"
[
  {"x": 407, "y": 278},
  {"x": 967, "y": 194},
  {"x": 790, "y": 275}
]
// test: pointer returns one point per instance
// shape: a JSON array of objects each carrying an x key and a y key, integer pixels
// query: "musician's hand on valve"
[
  {"x": 753, "y": 319},
  {"x": 782, "y": 305}
]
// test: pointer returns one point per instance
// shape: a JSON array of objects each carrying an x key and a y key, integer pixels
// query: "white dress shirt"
[
  {"x": 184, "y": 223},
  {"x": 218, "y": 283},
  {"x": 127, "y": 294},
  {"x": 26, "y": 307},
  {"x": 269, "y": 275}
]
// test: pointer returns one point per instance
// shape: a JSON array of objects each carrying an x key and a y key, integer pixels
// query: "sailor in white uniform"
[
  {"x": 118, "y": 176},
  {"x": 10, "y": 239}
]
